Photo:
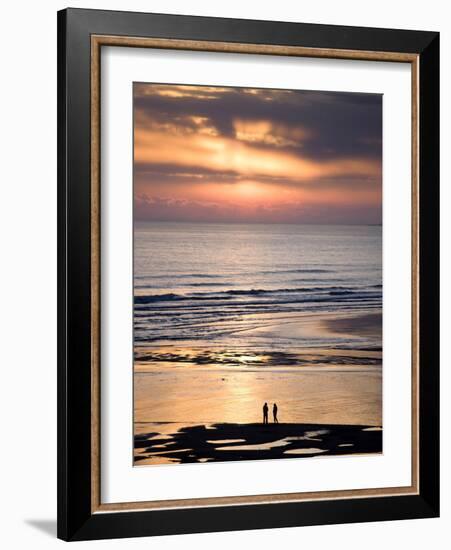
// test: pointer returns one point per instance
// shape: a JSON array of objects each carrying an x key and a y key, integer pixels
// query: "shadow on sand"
[{"x": 225, "y": 442}]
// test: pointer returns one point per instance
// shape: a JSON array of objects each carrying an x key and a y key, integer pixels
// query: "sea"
[{"x": 226, "y": 285}]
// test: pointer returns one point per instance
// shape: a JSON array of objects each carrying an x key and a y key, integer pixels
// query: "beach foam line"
[{"x": 358, "y": 292}]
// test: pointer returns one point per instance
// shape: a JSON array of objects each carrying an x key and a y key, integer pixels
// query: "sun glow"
[{"x": 212, "y": 153}]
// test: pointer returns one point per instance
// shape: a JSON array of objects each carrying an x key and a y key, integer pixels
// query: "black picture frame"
[{"x": 76, "y": 520}]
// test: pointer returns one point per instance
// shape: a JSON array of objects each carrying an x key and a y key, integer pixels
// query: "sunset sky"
[{"x": 212, "y": 154}]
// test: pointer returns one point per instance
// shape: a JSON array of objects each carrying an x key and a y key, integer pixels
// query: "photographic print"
[
  {"x": 242, "y": 206},
  {"x": 257, "y": 274}
]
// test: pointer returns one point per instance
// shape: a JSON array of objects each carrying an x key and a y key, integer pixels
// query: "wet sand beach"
[
  {"x": 369, "y": 324},
  {"x": 183, "y": 393},
  {"x": 226, "y": 442}
]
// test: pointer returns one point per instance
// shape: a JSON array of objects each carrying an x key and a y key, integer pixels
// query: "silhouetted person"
[
  {"x": 274, "y": 413},
  {"x": 265, "y": 413}
]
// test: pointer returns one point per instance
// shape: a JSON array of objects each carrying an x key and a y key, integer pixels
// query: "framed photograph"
[{"x": 248, "y": 274}]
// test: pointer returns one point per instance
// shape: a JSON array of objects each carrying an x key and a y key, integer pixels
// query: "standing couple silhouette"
[{"x": 274, "y": 413}]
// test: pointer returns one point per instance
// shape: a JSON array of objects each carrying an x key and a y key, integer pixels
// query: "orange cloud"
[
  {"x": 218, "y": 153},
  {"x": 180, "y": 91},
  {"x": 269, "y": 133}
]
